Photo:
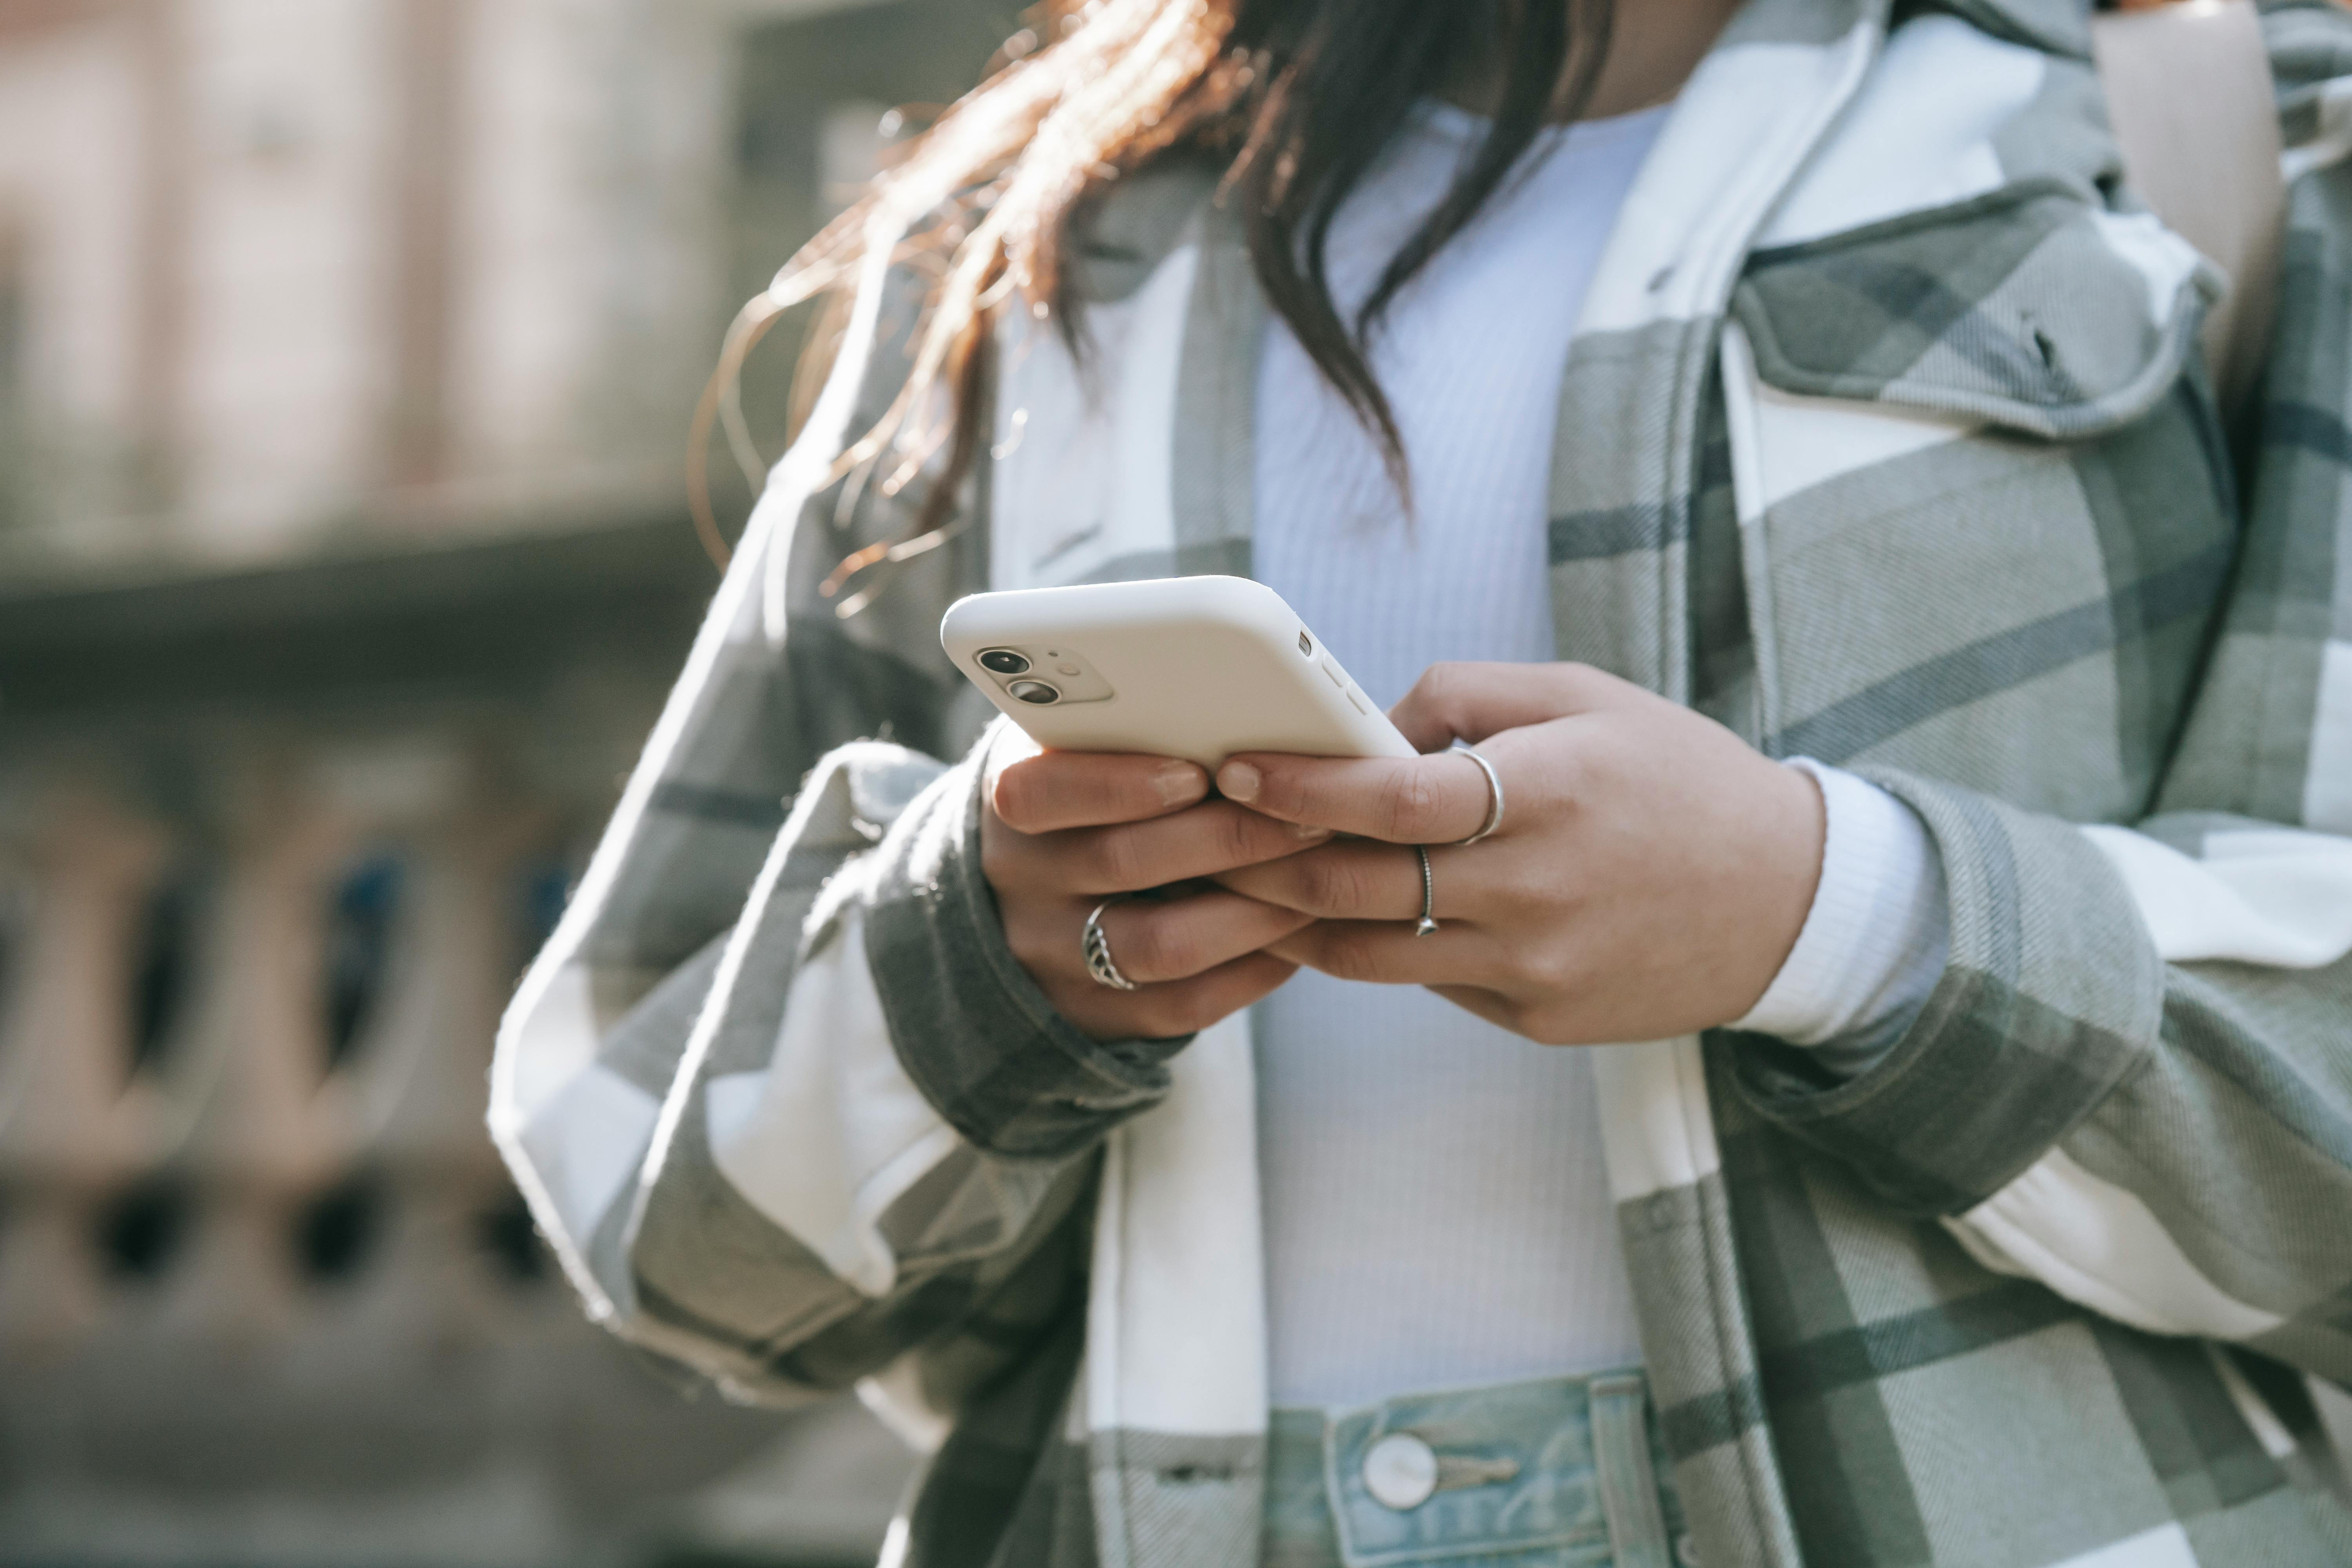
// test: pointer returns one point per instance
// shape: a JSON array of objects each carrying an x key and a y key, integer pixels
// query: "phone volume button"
[{"x": 1357, "y": 697}]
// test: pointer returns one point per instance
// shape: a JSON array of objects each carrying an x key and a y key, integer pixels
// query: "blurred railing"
[{"x": 265, "y": 1293}]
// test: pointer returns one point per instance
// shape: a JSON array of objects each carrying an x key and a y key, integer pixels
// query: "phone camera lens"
[
  {"x": 1036, "y": 692},
  {"x": 1004, "y": 661}
]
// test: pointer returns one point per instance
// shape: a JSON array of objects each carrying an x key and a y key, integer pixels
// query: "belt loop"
[{"x": 1629, "y": 1484}]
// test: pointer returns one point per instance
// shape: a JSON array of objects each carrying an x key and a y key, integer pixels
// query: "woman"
[{"x": 1784, "y": 445}]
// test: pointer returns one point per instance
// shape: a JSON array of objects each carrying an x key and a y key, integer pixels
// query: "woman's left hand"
[{"x": 1650, "y": 873}]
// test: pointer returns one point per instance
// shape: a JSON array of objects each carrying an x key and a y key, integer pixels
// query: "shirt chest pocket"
[{"x": 1983, "y": 516}]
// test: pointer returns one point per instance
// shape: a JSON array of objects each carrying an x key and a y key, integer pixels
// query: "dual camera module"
[{"x": 1004, "y": 661}]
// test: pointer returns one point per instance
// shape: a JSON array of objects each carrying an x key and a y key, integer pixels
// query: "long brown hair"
[{"x": 1294, "y": 99}]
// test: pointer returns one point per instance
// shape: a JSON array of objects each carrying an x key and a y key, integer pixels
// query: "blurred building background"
[{"x": 346, "y": 349}]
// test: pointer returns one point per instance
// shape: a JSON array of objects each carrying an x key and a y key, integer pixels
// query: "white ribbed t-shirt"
[{"x": 1437, "y": 1213}]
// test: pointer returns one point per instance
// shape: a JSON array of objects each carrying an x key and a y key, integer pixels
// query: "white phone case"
[{"x": 1199, "y": 667}]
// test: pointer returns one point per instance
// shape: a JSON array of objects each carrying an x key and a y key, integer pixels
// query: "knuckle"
[
  {"x": 1613, "y": 765},
  {"x": 1408, "y": 806},
  {"x": 1568, "y": 776},
  {"x": 1551, "y": 968},
  {"x": 1549, "y": 795},
  {"x": 1328, "y": 884},
  {"x": 1159, "y": 947},
  {"x": 1442, "y": 691},
  {"x": 1111, "y": 861},
  {"x": 1241, "y": 837}
]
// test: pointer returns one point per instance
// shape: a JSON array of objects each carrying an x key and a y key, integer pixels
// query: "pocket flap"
[{"x": 2028, "y": 307}]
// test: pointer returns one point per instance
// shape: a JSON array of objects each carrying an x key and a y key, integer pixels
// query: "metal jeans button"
[{"x": 1401, "y": 1471}]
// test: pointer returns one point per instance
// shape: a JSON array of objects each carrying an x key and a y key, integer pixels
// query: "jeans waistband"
[{"x": 1562, "y": 1471}]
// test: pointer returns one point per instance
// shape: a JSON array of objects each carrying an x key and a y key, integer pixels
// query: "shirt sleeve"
[{"x": 1877, "y": 938}]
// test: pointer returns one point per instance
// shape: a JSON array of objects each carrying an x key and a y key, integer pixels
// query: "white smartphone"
[{"x": 1197, "y": 667}]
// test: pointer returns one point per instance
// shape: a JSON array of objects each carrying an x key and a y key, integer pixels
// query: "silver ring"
[
  {"x": 1428, "y": 893},
  {"x": 1096, "y": 945},
  {"x": 1494, "y": 797}
]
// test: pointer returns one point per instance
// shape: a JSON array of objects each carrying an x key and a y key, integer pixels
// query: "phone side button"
[{"x": 1357, "y": 697}]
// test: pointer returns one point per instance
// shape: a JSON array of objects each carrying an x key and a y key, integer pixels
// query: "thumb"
[{"x": 1471, "y": 701}]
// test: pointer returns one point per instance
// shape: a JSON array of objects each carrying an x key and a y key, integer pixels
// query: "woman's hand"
[
  {"x": 1062, "y": 831},
  {"x": 1650, "y": 875}
]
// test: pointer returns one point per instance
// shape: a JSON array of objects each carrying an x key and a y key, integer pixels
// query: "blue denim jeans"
[{"x": 1556, "y": 1473}]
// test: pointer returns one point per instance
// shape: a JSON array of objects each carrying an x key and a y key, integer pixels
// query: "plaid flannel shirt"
[{"x": 1882, "y": 440}]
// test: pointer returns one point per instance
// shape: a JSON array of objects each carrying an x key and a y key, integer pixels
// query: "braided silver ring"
[
  {"x": 1096, "y": 945},
  {"x": 1428, "y": 894},
  {"x": 1494, "y": 797}
]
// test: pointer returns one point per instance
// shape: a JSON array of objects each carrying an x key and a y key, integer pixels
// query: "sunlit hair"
[{"x": 1291, "y": 99}]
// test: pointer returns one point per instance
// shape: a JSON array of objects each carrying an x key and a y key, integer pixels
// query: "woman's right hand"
[{"x": 1062, "y": 831}]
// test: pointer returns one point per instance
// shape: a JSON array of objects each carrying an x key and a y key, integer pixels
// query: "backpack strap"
[{"x": 2188, "y": 97}]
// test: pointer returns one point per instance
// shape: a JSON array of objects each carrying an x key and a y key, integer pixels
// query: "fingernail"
[
  {"x": 1303, "y": 830},
  {"x": 1238, "y": 781},
  {"x": 1178, "y": 784}
]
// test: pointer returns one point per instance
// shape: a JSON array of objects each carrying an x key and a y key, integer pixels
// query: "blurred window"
[
  {"x": 362, "y": 916},
  {"x": 507, "y": 1234},
  {"x": 545, "y": 888},
  {"x": 336, "y": 1230},
  {"x": 165, "y": 962},
  {"x": 144, "y": 1226}
]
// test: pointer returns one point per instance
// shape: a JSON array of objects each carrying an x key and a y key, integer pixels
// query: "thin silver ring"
[
  {"x": 1494, "y": 797},
  {"x": 1428, "y": 894},
  {"x": 1096, "y": 945}
]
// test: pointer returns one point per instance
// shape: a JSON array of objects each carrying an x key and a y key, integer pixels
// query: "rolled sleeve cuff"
[
  {"x": 986, "y": 1047},
  {"x": 1876, "y": 937},
  {"x": 2053, "y": 992}
]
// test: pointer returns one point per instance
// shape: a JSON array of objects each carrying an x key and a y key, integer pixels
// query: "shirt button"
[
  {"x": 1686, "y": 1550},
  {"x": 1401, "y": 1471}
]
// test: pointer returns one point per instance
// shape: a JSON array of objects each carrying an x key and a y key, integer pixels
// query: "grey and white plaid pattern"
[{"x": 1883, "y": 440}]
